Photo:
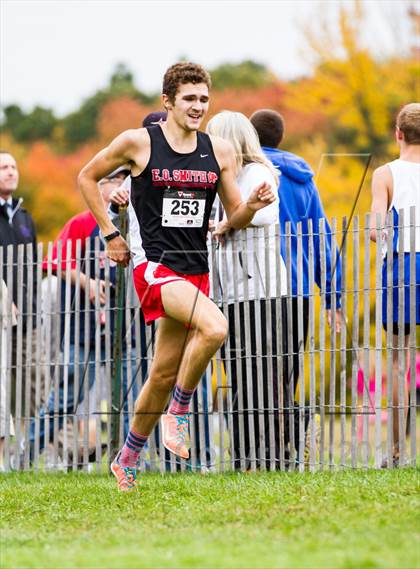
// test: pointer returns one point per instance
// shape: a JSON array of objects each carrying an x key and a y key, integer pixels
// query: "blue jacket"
[{"x": 300, "y": 201}]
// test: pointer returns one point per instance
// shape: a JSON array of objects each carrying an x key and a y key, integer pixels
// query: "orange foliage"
[
  {"x": 118, "y": 115},
  {"x": 48, "y": 185},
  {"x": 299, "y": 123}
]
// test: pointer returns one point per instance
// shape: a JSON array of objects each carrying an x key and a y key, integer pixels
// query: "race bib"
[{"x": 183, "y": 208}]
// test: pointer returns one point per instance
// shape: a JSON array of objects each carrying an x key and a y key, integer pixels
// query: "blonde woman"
[{"x": 250, "y": 282}]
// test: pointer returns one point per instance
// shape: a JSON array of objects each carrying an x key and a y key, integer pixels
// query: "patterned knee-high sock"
[
  {"x": 180, "y": 404},
  {"x": 132, "y": 448}
]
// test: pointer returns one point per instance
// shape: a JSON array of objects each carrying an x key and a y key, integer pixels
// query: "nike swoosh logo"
[{"x": 203, "y": 155}]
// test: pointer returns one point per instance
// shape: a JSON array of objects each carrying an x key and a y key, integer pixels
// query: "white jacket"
[{"x": 259, "y": 241}]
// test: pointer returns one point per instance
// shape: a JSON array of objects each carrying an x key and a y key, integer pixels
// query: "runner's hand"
[
  {"x": 15, "y": 313},
  {"x": 260, "y": 197},
  {"x": 220, "y": 231},
  {"x": 92, "y": 291},
  {"x": 117, "y": 250},
  {"x": 119, "y": 196}
]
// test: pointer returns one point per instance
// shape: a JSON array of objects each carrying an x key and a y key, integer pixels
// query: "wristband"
[{"x": 112, "y": 235}]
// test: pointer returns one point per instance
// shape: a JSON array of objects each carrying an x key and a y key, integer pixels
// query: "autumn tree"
[
  {"x": 357, "y": 93},
  {"x": 300, "y": 124},
  {"x": 118, "y": 115}
]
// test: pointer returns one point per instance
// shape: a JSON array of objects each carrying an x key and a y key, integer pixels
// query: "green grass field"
[{"x": 267, "y": 520}]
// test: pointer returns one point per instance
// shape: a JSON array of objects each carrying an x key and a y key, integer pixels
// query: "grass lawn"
[{"x": 267, "y": 520}]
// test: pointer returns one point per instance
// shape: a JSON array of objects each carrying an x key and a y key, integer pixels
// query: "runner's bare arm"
[
  {"x": 381, "y": 197},
  {"x": 239, "y": 213},
  {"x": 125, "y": 148}
]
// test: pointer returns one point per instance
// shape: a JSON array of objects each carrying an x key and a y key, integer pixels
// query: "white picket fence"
[{"x": 71, "y": 369}]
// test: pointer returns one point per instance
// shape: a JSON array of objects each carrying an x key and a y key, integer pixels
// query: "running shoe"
[
  {"x": 125, "y": 475},
  {"x": 174, "y": 433},
  {"x": 395, "y": 463}
]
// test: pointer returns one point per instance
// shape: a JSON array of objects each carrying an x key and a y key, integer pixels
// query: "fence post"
[
  {"x": 50, "y": 345},
  {"x": 389, "y": 268},
  {"x": 231, "y": 397},
  {"x": 402, "y": 360},
  {"x": 290, "y": 382},
  {"x": 355, "y": 341},
  {"x": 117, "y": 349},
  {"x": 412, "y": 339},
  {"x": 322, "y": 316},
  {"x": 333, "y": 342},
  {"x": 27, "y": 377},
  {"x": 378, "y": 343},
  {"x": 281, "y": 335},
  {"x": 343, "y": 340},
  {"x": 260, "y": 450},
  {"x": 271, "y": 337},
  {"x": 66, "y": 353},
  {"x": 8, "y": 353},
  {"x": 367, "y": 405},
  {"x": 246, "y": 417},
  {"x": 221, "y": 395},
  {"x": 301, "y": 348},
  {"x": 76, "y": 361},
  {"x": 312, "y": 425}
]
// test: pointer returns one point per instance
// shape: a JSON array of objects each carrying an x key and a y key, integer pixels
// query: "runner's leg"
[
  {"x": 208, "y": 329},
  {"x": 152, "y": 400},
  {"x": 181, "y": 356},
  {"x": 186, "y": 304},
  {"x": 171, "y": 337},
  {"x": 395, "y": 394}
]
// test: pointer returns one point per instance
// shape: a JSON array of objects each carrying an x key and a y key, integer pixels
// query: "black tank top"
[{"x": 171, "y": 202}]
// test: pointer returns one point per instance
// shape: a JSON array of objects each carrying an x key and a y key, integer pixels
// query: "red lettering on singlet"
[
  {"x": 212, "y": 177},
  {"x": 185, "y": 176},
  {"x": 182, "y": 176},
  {"x": 166, "y": 176},
  {"x": 155, "y": 175}
]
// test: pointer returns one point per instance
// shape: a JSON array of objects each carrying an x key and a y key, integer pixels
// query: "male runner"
[
  {"x": 396, "y": 187},
  {"x": 175, "y": 174}
]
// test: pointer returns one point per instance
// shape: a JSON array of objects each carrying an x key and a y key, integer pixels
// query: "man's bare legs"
[
  {"x": 183, "y": 302},
  {"x": 181, "y": 355},
  {"x": 151, "y": 402},
  {"x": 395, "y": 397}
]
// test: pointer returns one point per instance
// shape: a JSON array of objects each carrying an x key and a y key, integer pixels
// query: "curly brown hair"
[{"x": 182, "y": 73}]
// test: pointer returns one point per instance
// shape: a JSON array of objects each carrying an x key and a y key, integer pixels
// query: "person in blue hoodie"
[{"x": 299, "y": 202}]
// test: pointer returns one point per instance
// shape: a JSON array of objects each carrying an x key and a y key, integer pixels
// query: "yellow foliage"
[{"x": 359, "y": 94}]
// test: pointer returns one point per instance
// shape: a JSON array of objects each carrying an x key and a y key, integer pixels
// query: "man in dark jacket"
[
  {"x": 299, "y": 202},
  {"x": 17, "y": 228}
]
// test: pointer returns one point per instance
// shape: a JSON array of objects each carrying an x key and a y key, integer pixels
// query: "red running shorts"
[{"x": 149, "y": 277}]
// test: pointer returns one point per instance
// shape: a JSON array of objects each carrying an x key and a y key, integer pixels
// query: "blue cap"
[{"x": 154, "y": 118}]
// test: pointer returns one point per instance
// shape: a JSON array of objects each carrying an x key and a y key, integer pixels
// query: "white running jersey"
[{"x": 406, "y": 193}]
